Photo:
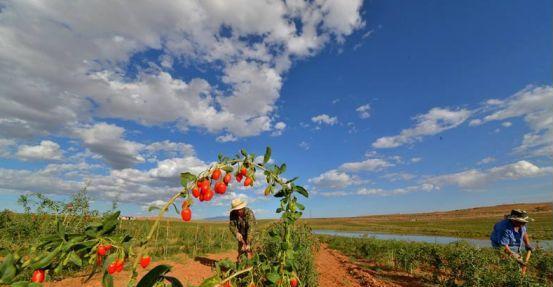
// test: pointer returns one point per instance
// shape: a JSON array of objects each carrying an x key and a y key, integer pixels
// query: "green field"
[{"x": 465, "y": 223}]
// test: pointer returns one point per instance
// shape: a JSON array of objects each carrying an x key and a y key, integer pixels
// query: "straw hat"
[
  {"x": 237, "y": 203},
  {"x": 519, "y": 215}
]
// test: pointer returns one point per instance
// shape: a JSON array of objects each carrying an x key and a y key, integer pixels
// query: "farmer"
[
  {"x": 242, "y": 223},
  {"x": 509, "y": 233}
]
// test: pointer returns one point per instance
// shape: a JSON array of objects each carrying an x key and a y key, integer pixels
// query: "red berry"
[
  {"x": 227, "y": 284},
  {"x": 119, "y": 265},
  {"x": 227, "y": 178},
  {"x": 248, "y": 181},
  {"x": 186, "y": 214},
  {"x": 216, "y": 174},
  {"x": 145, "y": 261},
  {"x": 220, "y": 187},
  {"x": 239, "y": 177},
  {"x": 294, "y": 282},
  {"x": 205, "y": 184},
  {"x": 195, "y": 192},
  {"x": 101, "y": 250},
  {"x": 112, "y": 268},
  {"x": 38, "y": 276},
  {"x": 208, "y": 195},
  {"x": 107, "y": 247},
  {"x": 243, "y": 171}
]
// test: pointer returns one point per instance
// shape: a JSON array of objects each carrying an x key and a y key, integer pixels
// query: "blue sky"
[{"x": 378, "y": 106}]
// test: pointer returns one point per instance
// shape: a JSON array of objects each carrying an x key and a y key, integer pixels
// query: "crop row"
[{"x": 455, "y": 264}]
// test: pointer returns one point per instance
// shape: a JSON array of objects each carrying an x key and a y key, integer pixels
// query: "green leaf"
[
  {"x": 279, "y": 210},
  {"x": 300, "y": 206},
  {"x": 280, "y": 193},
  {"x": 20, "y": 284},
  {"x": 244, "y": 152},
  {"x": 292, "y": 180},
  {"x": 273, "y": 277},
  {"x": 107, "y": 280},
  {"x": 153, "y": 207},
  {"x": 60, "y": 229},
  {"x": 155, "y": 275},
  {"x": 283, "y": 168},
  {"x": 227, "y": 168},
  {"x": 301, "y": 190},
  {"x": 267, "y": 156},
  {"x": 211, "y": 281},
  {"x": 75, "y": 259},
  {"x": 176, "y": 209},
  {"x": 174, "y": 281},
  {"x": 185, "y": 178}
]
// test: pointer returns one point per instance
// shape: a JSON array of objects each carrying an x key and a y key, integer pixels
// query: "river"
[{"x": 546, "y": 244}]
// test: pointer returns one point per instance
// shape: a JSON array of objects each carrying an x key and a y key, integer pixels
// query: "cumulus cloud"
[
  {"x": 72, "y": 62},
  {"x": 108, "y": 141},
  {"x": 486, "y": 160},
  {"x": 474, "y": 178},
  {"x": 279, "y": 129},
  {"x": 325, "y": 119},
  {"x": 364, "y": 111},
  {"x": 333, "y": 179},
  {"x": 46, "y": 150},
  {"x": 435, "y": 121},
  {"x": 534, "y": 105},
  {"x": 226, "y": 138},
  {"x": 371, "y": 164}
]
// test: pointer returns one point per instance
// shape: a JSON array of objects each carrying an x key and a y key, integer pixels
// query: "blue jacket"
[{"x": 504, "y": 234}]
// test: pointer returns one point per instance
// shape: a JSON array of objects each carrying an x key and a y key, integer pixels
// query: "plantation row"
[
  {"x": 456, "y": 264},
  {"x": 67, "y": 237}
]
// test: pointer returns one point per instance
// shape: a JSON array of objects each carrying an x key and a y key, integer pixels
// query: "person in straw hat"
[
  {"x": 242, "y": 224},
  {"x": 509, "y": 233}
]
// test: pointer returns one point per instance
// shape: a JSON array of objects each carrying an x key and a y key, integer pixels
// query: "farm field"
[{"x": 464, "y": 223}]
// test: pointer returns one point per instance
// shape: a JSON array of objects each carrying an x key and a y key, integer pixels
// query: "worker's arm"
[
  {"x": 251, "y": 226},
  {"x": 515, "y": 255},
  {"x": 527, "y": 244},
  {"x": 234, "y": 230}
]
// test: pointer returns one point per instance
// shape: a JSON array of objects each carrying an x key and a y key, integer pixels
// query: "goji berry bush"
[
  {"x": 456, "y": 264},
  {"x": 100, "y": 248}
]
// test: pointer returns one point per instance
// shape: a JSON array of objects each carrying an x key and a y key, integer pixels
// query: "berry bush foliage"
[{"x": 99, "y": 248}]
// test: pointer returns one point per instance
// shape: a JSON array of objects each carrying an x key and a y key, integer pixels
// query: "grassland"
[{"x": 465, "y": 223}]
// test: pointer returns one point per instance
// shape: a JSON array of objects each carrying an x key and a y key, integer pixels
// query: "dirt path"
[
  {"x": 334, "y": 269},
  {"x": 188, "y": 270}
]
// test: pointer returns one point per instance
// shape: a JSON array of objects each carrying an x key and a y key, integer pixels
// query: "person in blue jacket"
[{"x": 509, "y": 234}]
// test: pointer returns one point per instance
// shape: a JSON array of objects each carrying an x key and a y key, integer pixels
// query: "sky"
[{"x": 378, "y": 106}]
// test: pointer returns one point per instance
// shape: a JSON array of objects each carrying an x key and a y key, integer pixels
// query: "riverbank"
[{"x": 473, "y": 223}]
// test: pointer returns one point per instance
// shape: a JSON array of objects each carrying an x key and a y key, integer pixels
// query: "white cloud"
[
  {"x": 534, "y": 105},
  {"x": 71, "y": 61},
  {"x": 279, "y": 129},
  {"x": 226, "y": 138},
  {"x": 416, "y": 159},
  {"x": 333, "y": 179},
  {"x": 435, "y": 121},
  {"x": 6, "y": 146},
  {"x": 364, "y": 111},
  {"x": 108, "y": 141},
  {"x": 334, "y": 193},
  {"x": 325, "y": 119},
  {"x": 506, "y": 124},
  {"x": 474, "y": 178},
  {"x": 371, "y": 164},
  {"x": 486, "y": 160},
  {"x": 46, "y": 150}
]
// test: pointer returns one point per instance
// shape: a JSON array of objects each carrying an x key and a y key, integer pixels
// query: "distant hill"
[
  {"x": 216, "y": 218},
  {"x": 470, "y": 222}
]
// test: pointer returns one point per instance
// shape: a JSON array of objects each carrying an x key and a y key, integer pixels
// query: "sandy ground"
[{"x": 334, "y": 268}]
